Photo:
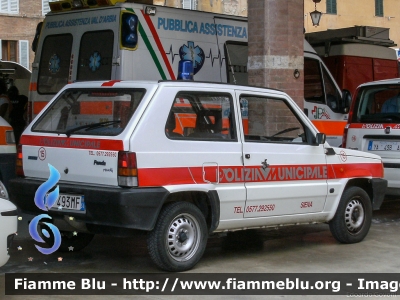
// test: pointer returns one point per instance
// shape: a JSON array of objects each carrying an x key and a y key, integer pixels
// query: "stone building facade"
[
  {"x": 18, "y": 21},
  {"x": 343, "y": 13}
]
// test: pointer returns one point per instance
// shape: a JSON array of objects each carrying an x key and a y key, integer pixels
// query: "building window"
[
  {"x": 379, "y": 8},
  {"x": 189, "y": 4},
  {"x": 9, "y": 6},
  {"x": 23, "y": 53},
  {"x": 45, "y": 7},
  {"x": 17, "y": 51},
  {"x": 9, "y": 50},
  {"x": 331, "y": 7}
]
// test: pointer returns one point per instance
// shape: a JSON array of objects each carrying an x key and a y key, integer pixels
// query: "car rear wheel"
[
  {"x": 179, "y": 237},
  {"x": 353, "y": 216}
]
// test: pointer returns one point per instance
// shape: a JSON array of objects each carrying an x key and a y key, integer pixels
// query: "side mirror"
[
  {"x": 37, "y": 35},
  {"x": 320, "y": 138},
  {"x": 346, "y": 98}
]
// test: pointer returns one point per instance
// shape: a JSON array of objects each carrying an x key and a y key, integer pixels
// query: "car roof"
[
  {"x": 143, "y": 83},
  {"x": 385, "y": 81}
]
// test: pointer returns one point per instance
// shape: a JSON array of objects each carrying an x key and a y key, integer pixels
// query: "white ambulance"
[
  {"x": 374, "y": 126},
  {"x": 116, "y": 40},
  {"x": 181, "y": 160}
]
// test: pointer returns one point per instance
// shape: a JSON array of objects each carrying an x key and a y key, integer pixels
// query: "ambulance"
[
  {"x": 374, "y": 126},
  {"x": 181, "y": 160},
  {"x": 8, "y": 152},
  {"x": 17, "y": 75},
  {"x": 84, "y": 40}
]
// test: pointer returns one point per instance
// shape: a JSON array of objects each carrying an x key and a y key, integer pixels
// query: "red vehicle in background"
[{"x": 356, "y": 55}]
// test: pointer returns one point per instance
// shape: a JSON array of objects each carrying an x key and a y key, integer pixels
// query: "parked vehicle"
[
  {"x": 118, "y": 40},
  {"x": 8, "y": 224},
  {"x": 374, "y": 126},
  {"x": 181, "y": 160},
  {"x": 8, "y": 152},
  {"x": 356, "y": 55}
]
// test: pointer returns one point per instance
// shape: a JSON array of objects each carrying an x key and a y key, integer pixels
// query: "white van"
[
  {"x": 374, "y": 126},
  {"x": 131, "y": 41},
  {"x": 181, "y": 160},
  {"x": 8, "y": 224}
]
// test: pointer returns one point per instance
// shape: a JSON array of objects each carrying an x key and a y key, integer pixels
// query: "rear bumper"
[{"x": 135, "y": 208}]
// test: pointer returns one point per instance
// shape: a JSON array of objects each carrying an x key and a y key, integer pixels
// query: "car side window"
[
  {"x": 313, "y": 85},
  {"x": 270, "y": 120},
  {"x": 201, "y": 116}
]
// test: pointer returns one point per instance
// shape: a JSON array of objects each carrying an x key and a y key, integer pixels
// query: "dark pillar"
[{"x": 276, "y": 41}]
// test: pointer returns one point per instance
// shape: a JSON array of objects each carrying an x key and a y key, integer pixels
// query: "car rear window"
[
  {"x": 377, "y": 103},
  {"x": 90, "y": 112}
]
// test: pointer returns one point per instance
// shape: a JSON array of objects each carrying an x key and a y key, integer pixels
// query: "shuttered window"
[
  {"x": 9, "y": 50},
  {"x": 189, "y": 4},
  {"x": 379, "y": 8},
  {"x": 9, "y": 6},
  {"x": 45, "y": 7},
  {"x": 331, "y": 7},
  {"x": 24, "y": 53}
]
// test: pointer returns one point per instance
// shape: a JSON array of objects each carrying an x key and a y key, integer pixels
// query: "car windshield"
[
  {"x": 378, "y": 103},
  {"x": 90, "y": 112}
]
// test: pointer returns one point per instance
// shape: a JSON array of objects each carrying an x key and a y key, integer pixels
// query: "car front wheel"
[{"x": 353, "y": 217}]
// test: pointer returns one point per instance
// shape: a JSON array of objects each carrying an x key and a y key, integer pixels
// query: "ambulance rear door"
[
  {"x": 74, "y": 46},
  {"x": 232, "y": 37}
]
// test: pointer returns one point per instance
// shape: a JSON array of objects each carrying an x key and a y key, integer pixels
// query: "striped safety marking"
[
  {"x": 374, "y": 125},
  {"x": 159, "y": 44},
  {"x": 330, "y": 127},
  {"x": 110, "y": 83},
  {"x": 72, "y": 143},
  {"x": 240, "y": 174}
]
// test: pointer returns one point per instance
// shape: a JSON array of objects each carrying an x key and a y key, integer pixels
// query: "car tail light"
[
  {"x": 344, "y": 138},
  {"x": 19, "y": 166},
  {"x": 10, "y": 138},
  {"x": 127, "y": 169}
]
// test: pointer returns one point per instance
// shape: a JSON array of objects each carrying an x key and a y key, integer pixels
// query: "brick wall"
[
  {"x": 22, "y": 26},
  {"x": 276, "y": 44}
]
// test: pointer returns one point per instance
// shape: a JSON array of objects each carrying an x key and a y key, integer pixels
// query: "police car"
[{"x": 182, "y": 160}]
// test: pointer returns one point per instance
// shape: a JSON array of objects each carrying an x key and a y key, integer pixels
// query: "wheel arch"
[
  {"x": 207, "y": 202},
  {"x": 363, "y": 183},
  {"x": 374, "y": 187}
]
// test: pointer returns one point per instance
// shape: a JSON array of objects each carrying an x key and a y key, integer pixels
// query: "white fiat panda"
[
  {"x": 182, "y": 160},
  {"x": 374, "y": 126}
]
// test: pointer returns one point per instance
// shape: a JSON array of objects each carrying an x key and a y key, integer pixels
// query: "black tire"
[
  {"x": 353, "y": 216},
  {"x": 179, "y": 237},
  {"x": 70, "y": 241}
]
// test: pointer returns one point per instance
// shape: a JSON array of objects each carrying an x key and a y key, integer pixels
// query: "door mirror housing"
[
  {"x": 346, "y": 101},
  {"x": 320, "y": 138}
]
